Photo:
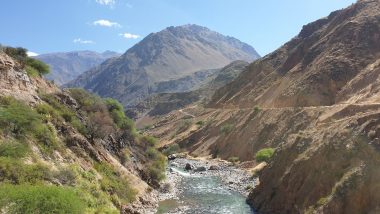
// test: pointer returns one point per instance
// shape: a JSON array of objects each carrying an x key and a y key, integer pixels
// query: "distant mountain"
[
  {"x": 170, "y": 54},
  {"x": 67, "y": 66}
]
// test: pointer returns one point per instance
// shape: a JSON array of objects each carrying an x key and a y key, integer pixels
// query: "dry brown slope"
[
  {"x": 318, "y": 96},
  {"x": 316, "y": 66}
]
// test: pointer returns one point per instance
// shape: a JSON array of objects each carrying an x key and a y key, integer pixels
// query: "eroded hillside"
[
  {"x": 314, "y": 100},
  {"x": 69, "y": 150}
]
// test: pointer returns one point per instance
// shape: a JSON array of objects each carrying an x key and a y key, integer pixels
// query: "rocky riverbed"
[{"x": 214, "y": 186}]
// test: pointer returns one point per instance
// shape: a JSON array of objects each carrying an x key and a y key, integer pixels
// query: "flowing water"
[{"x": 204, "y": 194}]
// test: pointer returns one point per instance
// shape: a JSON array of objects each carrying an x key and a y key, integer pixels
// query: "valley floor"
[{"x": 214, "y": 186}]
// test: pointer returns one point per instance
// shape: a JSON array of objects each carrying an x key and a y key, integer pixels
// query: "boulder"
[
  {"x": 172, "y": 157},
  {"x": 188, "y": 167},
  {"x": 200, "y": 169},
  {"x": 214, "y": 167}
]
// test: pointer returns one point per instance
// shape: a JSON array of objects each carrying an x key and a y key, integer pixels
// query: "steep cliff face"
[
  {"x": 170, "y": 54},
  {"x": 315, "y": 100},
  {"x": 74, "y": 143}
]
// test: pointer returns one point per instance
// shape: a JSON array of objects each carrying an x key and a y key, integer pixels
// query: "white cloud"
[
  {"x": 106, "y": 2},
  {"x": 81, "y": 41},
  {"x": 106, "y": 23},
  {"x": 129, "y": 36},
  {"x": 31, "y": 54}
]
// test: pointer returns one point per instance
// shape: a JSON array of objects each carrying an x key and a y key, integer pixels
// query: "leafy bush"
[
  {"x": 56, "y": 112},
  {"x": 38, "y": 65},
  {"x": 149, "y": 140},
  {"x": 226, "y": 128},
  {"x": 115, "y": 184},
  {"x": 15, "y": 171},
  {"x": 34, "y": 67},
  {"x": 13, "y": 149},
  {"x": 19, "y": 120},
  {"x": 39, "y": 199},
  {"x": 264, "y": 155}
]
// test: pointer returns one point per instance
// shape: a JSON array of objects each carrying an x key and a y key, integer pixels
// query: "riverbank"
[{"x": 207, "y": 180}]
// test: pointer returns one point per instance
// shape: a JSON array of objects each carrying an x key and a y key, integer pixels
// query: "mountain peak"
[{"x": 172, "y": 53}]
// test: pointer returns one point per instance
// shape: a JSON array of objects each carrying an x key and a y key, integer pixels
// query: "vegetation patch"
[
  {"x": 226, "y": 128},
  {"x": 33, "y": 67},
  {"x": 264, "y": 155},
  {"x": 172, "y": 149},
  {"x": 39, "y": 199},
  {"x": 115, "y": 184},
  {"x": 20, "y": 121}
]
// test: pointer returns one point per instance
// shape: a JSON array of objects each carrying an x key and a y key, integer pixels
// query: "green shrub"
[
  {"x": 226, "y": 128},
  {"x": 13, "y": 149},
  {"x": 34, "y": 67},
  {"x": 19, "y": 54},
  {"x": 15, "y": 171},
  {"x": 151, "y": 141},
  {"x": 115, "y": 184},
  {"x": 38, "y": 65},
  {"x": 56, "y": 112},
  {"x": 66, "y": 176},
  {"x": 172, "y": 149},
  {"x": 233, "y": 159},
  {"x": 264, "y": 155},
  {"x": 201, "y": 123},
  {"x": 39, "y": 199},
  {"x": 156, "y": 165},
  {"x": 21, "y": 121}
]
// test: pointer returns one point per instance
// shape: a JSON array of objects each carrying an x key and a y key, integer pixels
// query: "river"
[{"x": 204, "y": 192}]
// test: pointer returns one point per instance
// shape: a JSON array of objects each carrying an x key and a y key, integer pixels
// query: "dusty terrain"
[{"x": 316, "y": 101}]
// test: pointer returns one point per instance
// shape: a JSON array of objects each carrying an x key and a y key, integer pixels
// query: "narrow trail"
[{"x": 283, "y": 108}]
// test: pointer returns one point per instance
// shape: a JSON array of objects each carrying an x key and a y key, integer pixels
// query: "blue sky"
[{"x": 44, "y": 26}]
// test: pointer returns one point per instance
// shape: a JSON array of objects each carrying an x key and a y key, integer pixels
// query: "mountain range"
[
  {"x": 67, "y": 66},
  {"x": 170, "y": 54}
]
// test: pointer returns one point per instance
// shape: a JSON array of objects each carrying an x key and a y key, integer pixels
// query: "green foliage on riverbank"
[{"x": 264, "y": 155}]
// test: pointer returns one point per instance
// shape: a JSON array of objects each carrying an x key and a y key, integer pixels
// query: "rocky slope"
[
  {"x": 199, "y": 88},
  {"x": 74, "y": 145},
  {"x": 316, "y": 67},
  {"x": 314, "y": 100},
  {"x": 170, "y": 54},
  {"x": 67, "y": 66}
]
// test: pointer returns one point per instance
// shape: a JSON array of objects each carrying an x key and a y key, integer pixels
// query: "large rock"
[
  {"x": 214, "y": 167},
  {"x": 200, "y": 169},
  {"x": 188, "y": 167}
]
